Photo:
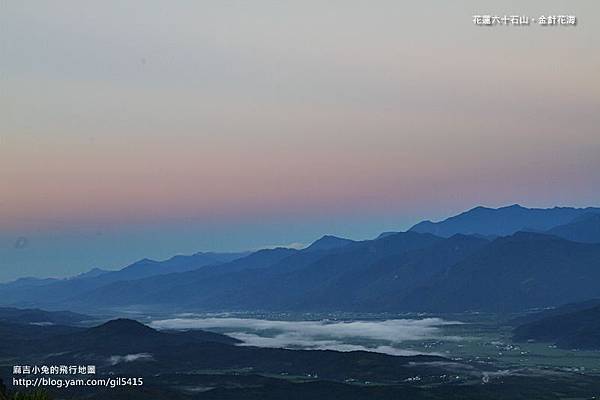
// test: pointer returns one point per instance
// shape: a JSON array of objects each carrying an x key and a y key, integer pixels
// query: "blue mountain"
[
  {"x": 32, "y": 292},
  {"x": 397, "y": 272},
  {"x": 514, "y": 273},
  {"x": 503, "y": 221},
  {"x": 585, "y": 228},
  {"x": 328, "y": 242}
]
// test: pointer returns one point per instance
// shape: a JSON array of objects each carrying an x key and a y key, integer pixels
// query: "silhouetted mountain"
[
  {"x": 525, "y": 270},
  {"x": 122, "y": 327},
  {"x": 188, "y": 287},
  {"x": 120, "y": 336},
  {"x": 502, "y": 221},
  {"x": 52, "y": 293},
  {"x": 328, "y": 242},
  {"x": 257, "y": 260},
  {"x": 369, "y": 275},
  {"x": 126, "y": 335},
  {"x": 401, "y": 272},
  {"x": 572, "y": 330},
  {"x": 585, "y": 228},
  {"x": 146, "y": 267},
  {"x": 330, "y": 282},
  {"x": 357, "y": 282},
  {"x": 407, "y": 271}
]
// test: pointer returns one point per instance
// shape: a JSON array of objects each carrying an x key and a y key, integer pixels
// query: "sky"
[{"x": 151, "y": 128}]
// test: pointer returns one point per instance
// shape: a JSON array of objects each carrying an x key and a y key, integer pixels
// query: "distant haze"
[{"x": 149, "y": 128}]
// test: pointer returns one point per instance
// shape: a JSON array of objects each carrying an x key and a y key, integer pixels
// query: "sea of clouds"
[{"x": 385, "y": 336}]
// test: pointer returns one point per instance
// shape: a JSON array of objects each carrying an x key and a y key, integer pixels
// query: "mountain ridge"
[
  {"x": 502, "y": 221},
  {"x": 525, "y": 270},
  {"x": 397, "y": 271}
]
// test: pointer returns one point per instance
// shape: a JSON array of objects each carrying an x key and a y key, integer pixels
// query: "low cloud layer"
[
  {"x": 378, "y": 336},
  {"x": 117, "y": 359}
]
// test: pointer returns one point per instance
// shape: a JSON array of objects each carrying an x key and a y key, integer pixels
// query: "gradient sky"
[{"x": 150, "y": 128}]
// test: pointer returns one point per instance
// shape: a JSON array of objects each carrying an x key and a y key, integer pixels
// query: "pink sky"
[{"x": 228, "y": 112}]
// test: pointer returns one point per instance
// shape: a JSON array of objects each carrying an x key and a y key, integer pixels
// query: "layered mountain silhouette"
[
  {"x": 286, "y": 278},
  {"x": 402, "y": 272},
  {"x": 478, "y": 260},
  {"x": 585, "y": 228},
  {"x": 146, "y": 267},
  {"x": 31, "y": 292},
  {"x": 503, "y": 221},
  {"x": 329, "y": 242},
  {"x": 510, "y": 259},
  {"x": 521, "y": 271}
]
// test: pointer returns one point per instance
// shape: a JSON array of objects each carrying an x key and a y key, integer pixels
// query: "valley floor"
[{"x": 480, "y": 361}]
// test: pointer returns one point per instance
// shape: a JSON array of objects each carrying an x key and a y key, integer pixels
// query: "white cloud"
[
  {"x": 298, "y": 342},
  {"x": 117, "y": 359},
  {"x": 382, "y": 336}
]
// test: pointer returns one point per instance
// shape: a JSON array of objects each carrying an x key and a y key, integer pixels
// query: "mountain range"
[
  {"x": 504, "y": 221},
  {"x": 521, "y": 271},
  {"x": 507, "y": 259},
  {"x": 29, "y": 291}
]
